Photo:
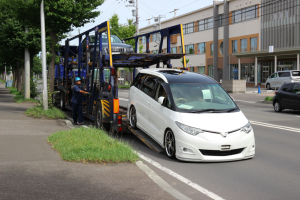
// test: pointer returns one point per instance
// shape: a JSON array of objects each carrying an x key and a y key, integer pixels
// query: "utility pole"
[
  {"x": 27, "y": 71},
  {"x": 174, "y": 12},
  {"x": 136, "y": 13},
  {"x": 157, "y": 19},
  {"x": 44, "y": 69}
]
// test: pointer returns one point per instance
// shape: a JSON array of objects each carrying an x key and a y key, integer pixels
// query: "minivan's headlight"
[
  {"x": 188, "y": 129},
  {"x": 247, "y": 128}
]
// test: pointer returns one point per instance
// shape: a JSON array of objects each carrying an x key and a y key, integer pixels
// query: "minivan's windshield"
[
  {"x": 295, "y": 73},
  {"x": 114, "y": 39},
  {"x": 200, "y": 97}
]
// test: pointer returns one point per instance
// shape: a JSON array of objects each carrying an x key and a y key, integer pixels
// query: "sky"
[{"x": 147, "y": 9}]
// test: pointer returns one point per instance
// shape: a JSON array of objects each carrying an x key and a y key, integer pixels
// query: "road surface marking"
[
  {"x": 160, "y": 182},
  {"x": 276, "y": 126},
  {"x": 124, "y": 99},
  {"x": 181, "y": 178},
  {"x": 245, "y": 101}
]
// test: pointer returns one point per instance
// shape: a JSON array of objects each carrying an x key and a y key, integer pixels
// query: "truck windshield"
[
  {"x": 197, "y": 97},
  {"x": 114, "y": 39}
]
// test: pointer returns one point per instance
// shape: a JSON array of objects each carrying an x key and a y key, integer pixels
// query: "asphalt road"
[{"x": 274, "y": 172}]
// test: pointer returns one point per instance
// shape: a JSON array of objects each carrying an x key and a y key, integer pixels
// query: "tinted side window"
[
  {"x": 138, "y": 80},
  {"x": 149, "y": 86},
  {"x": 273, "y": 75},
  {"x": 296, "y": 89},
  {"x": 287, "y": 87},
  {"x": 162, "y": 93},
  {"x": 284, "y": 74}
]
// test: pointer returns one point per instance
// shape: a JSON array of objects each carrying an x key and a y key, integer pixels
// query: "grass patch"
[
  {"x": 3, "y": 81},
  {"x": 91, "y": 145},
  {"x": 269, "y": 98},
  {"x": 51, "y": 113},
  {"x": 124, "y": 86}
]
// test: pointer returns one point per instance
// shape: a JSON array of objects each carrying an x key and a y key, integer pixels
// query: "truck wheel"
[
  {"x": 99, "y": 119},
  {"x": 170, "y": 146},
  {"x": 62, "y": 101},
  {"x": 132, "y": 117}
]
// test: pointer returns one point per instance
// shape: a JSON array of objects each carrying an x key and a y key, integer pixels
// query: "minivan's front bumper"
[{"x": 208, "y": 147}]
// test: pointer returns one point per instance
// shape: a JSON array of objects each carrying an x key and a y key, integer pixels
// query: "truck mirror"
[{"x": 161, "y": 100}]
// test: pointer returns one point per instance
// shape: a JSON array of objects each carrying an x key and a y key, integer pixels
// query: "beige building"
[{"x": 230, "y": 39}]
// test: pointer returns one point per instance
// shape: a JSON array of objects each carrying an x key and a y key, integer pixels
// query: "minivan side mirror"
[{"x": 161, "y": 100}]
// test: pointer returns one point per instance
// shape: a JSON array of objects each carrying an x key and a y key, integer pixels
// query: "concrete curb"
[
  {"x": 265, "y": 102},
  {"x": 157, "y": 179},
  {"x": 160, "y": 182}
]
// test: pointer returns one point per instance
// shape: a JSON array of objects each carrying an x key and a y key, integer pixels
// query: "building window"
[
  {"x": 201, "y": 48},
  {"x": 143, "y": 40},
  {"x": 201, "y": 70},
  {"x": 234, "y": 46},
  {"x": 156, "y": 37},
  {"x": 201, "y": 25},
  {"x": 208, "y": 23},
  {"x": 243, "y": 45},
  {"x": 211, "y": 49},
  {"x": 245, "y": 14},
  {"x": 189, "y": 49},
  {"x": 221, "y": 48},
  {"x": 188, "y": 28},
  {"x": 174, "y": 50},
  {"x": 220, "y": 20},
  {"x": 180, "y": 50},
  {"x": 254, "y": 44},
  {"x": 192, "y": 69}
]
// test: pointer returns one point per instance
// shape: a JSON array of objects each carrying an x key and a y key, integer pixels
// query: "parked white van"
[{"x": 279, "y": 78}]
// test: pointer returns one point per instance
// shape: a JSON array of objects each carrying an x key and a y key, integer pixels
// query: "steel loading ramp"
[{"x": 152, "y": 144}]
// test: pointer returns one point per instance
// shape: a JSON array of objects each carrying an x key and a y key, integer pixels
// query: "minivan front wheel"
[
  {"x": 277, "y": 107},
  {"x": 170, "y": 146},
  {"x": 268, "y": 86}
]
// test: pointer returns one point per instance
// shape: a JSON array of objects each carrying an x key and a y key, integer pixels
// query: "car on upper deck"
[{"x": 190, "y": 115}]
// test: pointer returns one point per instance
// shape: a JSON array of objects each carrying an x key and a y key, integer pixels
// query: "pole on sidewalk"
[
  {"x": 27, "y": 71},
  {"x": 44, "y": 70}
]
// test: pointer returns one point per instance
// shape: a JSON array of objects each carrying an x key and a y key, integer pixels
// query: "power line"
[{"x": 145, "y": 4}]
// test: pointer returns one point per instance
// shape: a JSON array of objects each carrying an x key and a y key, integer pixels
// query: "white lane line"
[
  {"x": 181, "y": 178},
  {"x": 276, "y": 126},
  {"x": 245, "y": 101},
  {"x": 124, "y": 99}
]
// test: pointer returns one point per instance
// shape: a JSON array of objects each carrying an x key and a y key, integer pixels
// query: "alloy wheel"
[
  {"x": 170, "y": 144},
  {"x": 277, "y": 107},
  {"x": 132, "y": 117}
]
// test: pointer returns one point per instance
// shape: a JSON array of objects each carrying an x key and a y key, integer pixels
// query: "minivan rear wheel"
[
  {"x": 277, "y": 107},
  {"x": 268, "y": 86}
]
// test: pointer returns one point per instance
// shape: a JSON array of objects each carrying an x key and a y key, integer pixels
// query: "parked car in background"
[
  {"x": 190, "y": 115},
  {"x": 287, "y": 97},
  {"x": 279, "y": 78}
]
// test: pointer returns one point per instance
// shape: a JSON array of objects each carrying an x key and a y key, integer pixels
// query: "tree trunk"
[
  {"x": 23, "y": 79},
  {"x": 14, "y": 78},
  {"x": 51, "y": 68},
  {"x": 19, "y": 84}
]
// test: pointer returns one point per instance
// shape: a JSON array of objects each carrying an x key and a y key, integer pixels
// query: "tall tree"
[
  {"x": 60, "y": 16},
  {"x": 122, "y": 31}
]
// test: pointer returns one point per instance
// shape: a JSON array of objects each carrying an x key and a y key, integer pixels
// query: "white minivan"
[
  {"x": 190, "y": 115},
  {"x": 279, "y": 78}
]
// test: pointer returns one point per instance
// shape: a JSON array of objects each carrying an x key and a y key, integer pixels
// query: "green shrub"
[{"x": 269, "y": 98}]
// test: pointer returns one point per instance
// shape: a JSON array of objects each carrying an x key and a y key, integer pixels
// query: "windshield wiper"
[
  {"x": 233, "y": 109},
  {"x": 205, "y": 110}
]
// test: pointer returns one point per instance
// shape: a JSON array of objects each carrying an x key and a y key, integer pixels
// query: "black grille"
[{"x": 220, "y": 153}]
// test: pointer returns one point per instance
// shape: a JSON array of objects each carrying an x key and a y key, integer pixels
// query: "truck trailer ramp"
[{"x": 152, "y": 144}]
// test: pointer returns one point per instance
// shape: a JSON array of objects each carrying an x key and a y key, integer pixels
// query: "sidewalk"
[{"x": 30, "y": 169}]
